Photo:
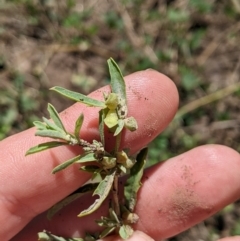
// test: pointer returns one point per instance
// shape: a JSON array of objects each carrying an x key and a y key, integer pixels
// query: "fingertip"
[{"x": 137, "y": 236}]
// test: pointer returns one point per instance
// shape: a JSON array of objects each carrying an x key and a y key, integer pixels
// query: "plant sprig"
[{"x": 108, "y": 166}]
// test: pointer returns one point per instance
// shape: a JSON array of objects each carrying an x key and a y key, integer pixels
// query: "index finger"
[{"x": 27, "y": 188}]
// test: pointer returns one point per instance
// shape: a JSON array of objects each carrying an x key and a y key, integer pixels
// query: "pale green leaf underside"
[
  {"x": 40, "y": 125},
  {"x": 78, "y": 97},
  {"x": 102, "y": 191},
  {"x": 133, "y": 182},
  {"x": 89, "y": 157},
  {"x": 52, "y": 126},
  {"x": 117, "y": 81},
  {"x": 55, "y": 117},
  {"x": 65, "y": 164},
  {"x": 45, "y": 146},
  {"x": 51, "y": 133},
  {"x": 58, "y": 206}
]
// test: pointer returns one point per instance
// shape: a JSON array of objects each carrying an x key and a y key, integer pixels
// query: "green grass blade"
[
  {"x": 55, "y": 117},
  {"x": 117, "y": 81},
  {"x": 102, "y": 191},
  {"x": 45, "y": 146},
  {"x": 133, "y": 182},
  {"x": 78, "y": 97}
]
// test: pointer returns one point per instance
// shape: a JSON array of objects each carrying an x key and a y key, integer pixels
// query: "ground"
[{"x": 67, "y": 43}]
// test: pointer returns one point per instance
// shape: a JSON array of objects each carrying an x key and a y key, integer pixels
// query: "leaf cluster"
[{"x": 106, "y": 166}]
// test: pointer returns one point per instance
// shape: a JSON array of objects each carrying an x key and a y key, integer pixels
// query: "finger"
[
  {"x": 26, "y": 186},
  {"x": 236, "y": 238},
  {"x": 137, "y": 236},
  {"x": 175, "y": 195}
]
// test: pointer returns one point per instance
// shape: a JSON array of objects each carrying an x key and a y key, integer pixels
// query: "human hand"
[{"x": 175, "y": 194}]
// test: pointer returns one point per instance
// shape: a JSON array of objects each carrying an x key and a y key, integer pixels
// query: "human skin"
[{"x": 175, "y": 195}]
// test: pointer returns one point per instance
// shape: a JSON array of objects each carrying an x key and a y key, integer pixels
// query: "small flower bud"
[
  {"x": 130, "y": 123},
  {"x": 108, "y": 162}
]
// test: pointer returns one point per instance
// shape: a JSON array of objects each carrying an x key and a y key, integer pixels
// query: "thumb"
[
  {"x": 236, "y": 238},
  {"x": 137, "y": 236}
]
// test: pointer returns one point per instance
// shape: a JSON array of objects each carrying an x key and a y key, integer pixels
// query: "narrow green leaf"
[
  {"x": 90, "y": 168},
  {"x": 89, "y": 157},
  {"x": 102, "y": 115},
  {"x": 55, "y": 117},
  {"x": 47, "y": 236},
  {"x": 40, "y": 125},
  {"x": 119, "y": 127},
  {"x": 78, "y": 126},
  {"x": 78, "y": 97},
  {"x": 65, "y": 164},
  {"x": 102, "y": 191},
  {"x": 52, "y": 126},
  {"x": 58, "y": 206},
  {"x": 117, "y": 81},
  {"x": 125, "y": 231},
  {"x": 52, "y": 134},
  {"x": 133, "y": 182},
  {"x": 106, "y": 232},
  {"x": 44, "y": 146}
]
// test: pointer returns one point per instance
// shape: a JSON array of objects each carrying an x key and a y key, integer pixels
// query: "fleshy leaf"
[
  {"x": 45, "y": 146},
  {"x": 78, "y": 125},
  {"x": 89, "y": 157},
  {"x": 125, "y": 231},
  {"x": 119, "y": 127},
  {"x": 47, "y": 236},
  {"x": 102, "y": 191},
  {"x": 51, "y": 133},
  {"x": 133, "y": 182},
  {"x": 78, "y": 97},
  {"x": 65, "y": 164},
  {"x": 58, "y": 206},
  {"x": 117, "y": 81},
  {"x": 55, "y": 117}
]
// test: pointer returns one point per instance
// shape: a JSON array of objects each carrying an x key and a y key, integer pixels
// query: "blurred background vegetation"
[{"x": 67, "y": 42}]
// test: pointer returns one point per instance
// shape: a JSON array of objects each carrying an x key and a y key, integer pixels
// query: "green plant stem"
[
  {"x": 116, "y": 205},
  {"x": 118, "y": 142}
]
